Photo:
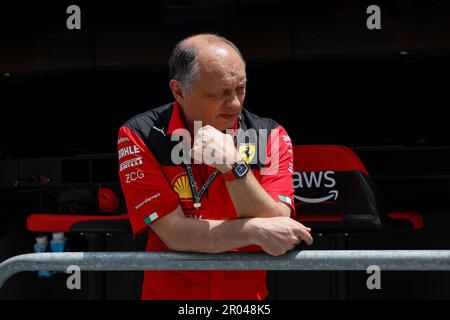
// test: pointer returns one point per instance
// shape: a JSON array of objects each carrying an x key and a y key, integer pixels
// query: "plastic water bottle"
[
  {"x": 59, "y": 242},
  {"x": 41, "y": 246}
]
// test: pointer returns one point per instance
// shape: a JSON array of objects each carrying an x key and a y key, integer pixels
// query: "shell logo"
[{"x": 182, "y": 187}]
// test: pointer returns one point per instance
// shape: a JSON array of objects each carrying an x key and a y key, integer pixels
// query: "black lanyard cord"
[{"x": 198, "y": 195}]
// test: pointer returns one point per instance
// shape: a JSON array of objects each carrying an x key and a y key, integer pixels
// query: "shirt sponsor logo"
[
  {"x": 182, "y": 187},
  {"x": 291, "y": 167},
  {"x": 131, "y": 163},
  {"x": 133, "y": 176},
  {"x": 247, "y": 151},
  {"x": 160, "y": 130},
  {"x": 286, "y": 139},
  {"x": 130, "y": 150},
  {"x": 122, "y": 140},
  {"x": 147, "y": 200}
]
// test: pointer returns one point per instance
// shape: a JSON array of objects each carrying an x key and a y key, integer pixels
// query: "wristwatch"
[{"x": 239, "y": 170}]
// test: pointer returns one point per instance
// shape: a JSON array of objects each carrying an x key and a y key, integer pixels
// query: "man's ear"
[{"x": 177, "y": 91}]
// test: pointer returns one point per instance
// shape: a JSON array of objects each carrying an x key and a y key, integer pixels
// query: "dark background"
[{"x": 313, "y": 67}]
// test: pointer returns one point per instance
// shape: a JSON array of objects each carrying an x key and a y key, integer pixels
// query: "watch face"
[{"x": 241, "y": 169}]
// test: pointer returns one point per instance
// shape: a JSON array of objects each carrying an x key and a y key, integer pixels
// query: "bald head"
[
  {"x": 204, "y": 52},
  {"x": 201, "y": 42},
  {"x": 208, "y": 80}
]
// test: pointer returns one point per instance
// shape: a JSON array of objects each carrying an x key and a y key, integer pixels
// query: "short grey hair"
[{"x": 183, "y": 63}]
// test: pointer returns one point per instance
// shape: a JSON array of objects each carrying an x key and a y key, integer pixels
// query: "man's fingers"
[
  {"x": 196, "y": 153},
  {"x": 305, "y": 235},
  {"x": 196, "y": 150},
  {"x": 308, "y": 238}
]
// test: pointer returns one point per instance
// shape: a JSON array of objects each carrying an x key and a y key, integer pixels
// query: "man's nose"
[{"x": 234, "y": 102}]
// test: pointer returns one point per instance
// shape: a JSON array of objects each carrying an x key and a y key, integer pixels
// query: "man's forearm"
[
  {"x": 274, "y": 235},
  {"x": 209, "y": 236},
  {"x": 251, "y": 200}
]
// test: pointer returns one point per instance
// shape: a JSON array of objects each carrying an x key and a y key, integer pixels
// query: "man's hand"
[
  {"x": 278, "y": 235},
  {"x": 275, "y": 236},
  {"x": 215, "y": 149}
]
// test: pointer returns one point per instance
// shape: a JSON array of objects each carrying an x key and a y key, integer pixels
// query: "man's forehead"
[
  {"x": 226, "y": 77},
  {"x": 223, "y": 67},
  {"x": 219, "y": 54},
  {"x": 235, "y": 77}
]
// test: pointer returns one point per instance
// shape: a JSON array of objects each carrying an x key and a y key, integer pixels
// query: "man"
[{"x": 239, "y": 198}]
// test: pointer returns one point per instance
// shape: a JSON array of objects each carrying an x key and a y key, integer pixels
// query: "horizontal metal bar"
[{"x": 325, "y": 260}]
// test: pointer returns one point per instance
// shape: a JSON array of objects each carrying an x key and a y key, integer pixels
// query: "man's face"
[{"x": 217, "y": 94}]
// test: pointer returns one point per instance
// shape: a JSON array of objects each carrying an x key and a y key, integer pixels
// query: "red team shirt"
[{"x": 154, "y": 187}]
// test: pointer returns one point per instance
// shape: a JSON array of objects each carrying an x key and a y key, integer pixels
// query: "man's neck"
[{"x": 189, "y": 125}]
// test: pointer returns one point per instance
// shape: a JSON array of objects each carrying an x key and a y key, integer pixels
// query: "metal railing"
[{"x": 325, "y": 260}]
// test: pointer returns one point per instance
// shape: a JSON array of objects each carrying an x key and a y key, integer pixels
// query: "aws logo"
[
  {"x": 316, "y": 180},
  {"x": 180, "y": 184}
]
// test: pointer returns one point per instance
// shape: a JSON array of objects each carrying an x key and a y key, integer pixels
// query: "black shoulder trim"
[
  {"x": 143, "y": 123},
  {"x": 257, "y": 122},
  {"x": 151, "y": 126}
]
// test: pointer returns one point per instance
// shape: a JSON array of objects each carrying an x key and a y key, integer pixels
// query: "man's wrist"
[
  {"x": 251, "y": 230},
  {"x": 239, "y": 171},
  {"x": 227, "y": 167}
]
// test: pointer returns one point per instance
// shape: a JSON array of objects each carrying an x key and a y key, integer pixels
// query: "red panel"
[
  {"x": 326, "y": 157},
  {"x": 62, "y": 222},
  {"x": 412, "y": 216}
]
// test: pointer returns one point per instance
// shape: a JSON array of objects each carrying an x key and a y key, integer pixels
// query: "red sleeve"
[
  {"x": 147, "y": 192},
  {"x": 277, "y": 175}
]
